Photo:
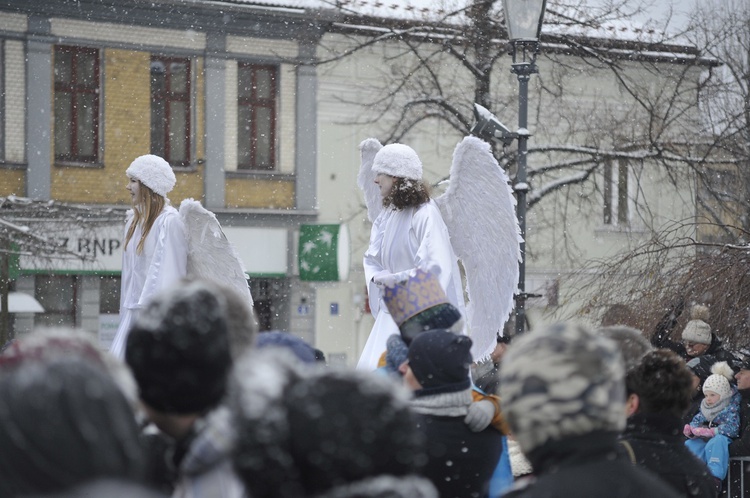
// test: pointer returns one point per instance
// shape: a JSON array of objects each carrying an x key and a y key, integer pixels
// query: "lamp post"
[{"x": 523, "y": 19}]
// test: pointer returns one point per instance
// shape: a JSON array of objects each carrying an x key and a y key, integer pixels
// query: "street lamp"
[{"x": 523, "y": 19}]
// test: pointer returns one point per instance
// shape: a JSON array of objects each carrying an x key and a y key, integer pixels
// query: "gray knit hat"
[
  {"x": 697, "y": 330},
  {"x": 561, "y": 381}
]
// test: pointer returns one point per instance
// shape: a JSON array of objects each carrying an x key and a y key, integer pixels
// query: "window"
[
  {"x": 616, "y": 200},
  {"x": 256, "y": 117},
  {"x": 109, "y": 295},
  {"x": 57, "y": 294},
  {"x": 170, "y": 109},
  {"x": 76, "y": 104}
]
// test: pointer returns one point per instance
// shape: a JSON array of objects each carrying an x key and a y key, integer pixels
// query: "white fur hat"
[
  {"x": 398, "y": 160},
  {"x": 718, "y": 382},
  {"x": 154, "y": 172},
  {"x": 697, "y": 330}
]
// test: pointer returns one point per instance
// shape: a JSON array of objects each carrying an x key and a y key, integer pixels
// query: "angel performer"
[
  {"x": 155, "y": 251},
  {"x": 474, "y": 221}
]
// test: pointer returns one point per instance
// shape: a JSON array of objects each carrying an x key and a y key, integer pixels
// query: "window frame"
[
  {"x": 75, "y": 89},
  {"x": 616, "y": 193},
  {"x": 255, "y": 103},
  {"x": 167, "y": 97}
]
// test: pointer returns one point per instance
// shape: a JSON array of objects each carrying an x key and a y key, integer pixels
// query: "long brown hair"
[
  {"x": 151, "y": 205},
  {"x": 407, "y": 193}
]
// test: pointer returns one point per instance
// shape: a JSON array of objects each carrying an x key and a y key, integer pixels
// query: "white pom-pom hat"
[
  {"x": 718, "y": 382},
  {"x": 398, "y": 160},
  {"x": 154, "y": 172}
]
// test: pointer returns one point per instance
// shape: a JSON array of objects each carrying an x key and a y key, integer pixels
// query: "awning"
[{"x": 18, "y": 302}]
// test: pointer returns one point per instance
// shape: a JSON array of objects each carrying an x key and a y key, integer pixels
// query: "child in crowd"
[{"x": 717, "y": 422}]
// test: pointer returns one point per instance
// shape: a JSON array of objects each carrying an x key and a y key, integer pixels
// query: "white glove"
[
  {"x": 480, "y": 415},
  {"x": 385, "y": 279}
]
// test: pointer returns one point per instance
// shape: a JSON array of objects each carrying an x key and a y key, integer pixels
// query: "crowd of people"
[
  {"x": 205, "y": 406},
  {"x": 194, "y": 402}
]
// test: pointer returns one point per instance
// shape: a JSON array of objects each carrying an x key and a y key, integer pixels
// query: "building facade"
[{"x": 235, "y": 97}]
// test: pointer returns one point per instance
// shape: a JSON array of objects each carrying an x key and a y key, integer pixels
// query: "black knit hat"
[
  {"x": 441, "y": 316},
  {"x": 440, "y": 361},
  {"x": 178, "y": 350}
]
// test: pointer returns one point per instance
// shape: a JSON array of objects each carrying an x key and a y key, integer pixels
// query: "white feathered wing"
[
  {"x": 210, "y": 255},
  {"x": 366, "y": 178},
  {"x": 479, "y": 210}
]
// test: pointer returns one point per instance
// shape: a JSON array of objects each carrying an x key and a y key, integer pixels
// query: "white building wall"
[
  {"x": 129, "y": 34},
  {"x": 563, "y": 234}
]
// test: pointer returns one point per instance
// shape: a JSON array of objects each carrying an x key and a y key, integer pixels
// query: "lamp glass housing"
[{"x": 523, "y": 18}]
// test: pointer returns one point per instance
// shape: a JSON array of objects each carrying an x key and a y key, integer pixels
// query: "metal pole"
[
  {"x": 5, "y": 335},
  {"x": 521, "y": 187}
]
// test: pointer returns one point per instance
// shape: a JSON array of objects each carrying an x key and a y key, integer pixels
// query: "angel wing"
[
  {"x": 210, "y": 255},
  {"x": 479, "y": 210},
  {"x": 366, "y": 178}
]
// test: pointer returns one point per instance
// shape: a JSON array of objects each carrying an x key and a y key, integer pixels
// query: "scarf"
[
  {"x": 453, "y": 404},
  {"x": 710, "y": 412}
]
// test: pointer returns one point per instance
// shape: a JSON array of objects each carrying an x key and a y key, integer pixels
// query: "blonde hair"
[{"x": 146, "y": 209}]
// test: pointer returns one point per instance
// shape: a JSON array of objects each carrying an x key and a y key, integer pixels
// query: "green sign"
[{"x": 323, "y": 253}]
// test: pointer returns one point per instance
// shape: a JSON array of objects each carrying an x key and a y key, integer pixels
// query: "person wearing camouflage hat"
[
  {"x": 741, "y": 445},
  {"x": 563, "y": 395}
]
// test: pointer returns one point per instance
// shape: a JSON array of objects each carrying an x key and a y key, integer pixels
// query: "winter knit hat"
[
  {"x": 398, "y": 160},
  {"x": 743, "y": 364},
  {"x": 64, "y": 422},
  {"x": 178, "y": 349},
  {"x": 440, "y": 361},
  {"x": 697, "y": 330},
  {"x": 277, "y": 339},
  {"x": 561, "y": 381},
  {"x": 309, "y": 432},
  {"x": 633, "y": 345},
  {"x": 44, "y": 344},
  {"x": 718, "y": 382},
  {"x": 154, "y": 172}
]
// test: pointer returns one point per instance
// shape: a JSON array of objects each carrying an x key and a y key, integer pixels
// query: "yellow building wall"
[
  {"x": 12, "y": 182},
  {"x": 258, "y": 193},
  {"x": 126, "y": 134}
]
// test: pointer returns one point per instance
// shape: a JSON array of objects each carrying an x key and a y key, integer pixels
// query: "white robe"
[
  {"x": 162, "y": 263},
  {"x": 401, "y": 241}
]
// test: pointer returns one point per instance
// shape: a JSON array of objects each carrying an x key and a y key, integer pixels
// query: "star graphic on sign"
[
  {"x": 326, "y": 238},
  {"x": 308, "y": 247}
]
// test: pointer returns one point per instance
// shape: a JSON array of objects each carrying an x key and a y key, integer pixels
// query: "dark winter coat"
[
  {"x": 588, "y": 466},
  {"x": 486, "y": 376},
  {"x": 460, "y": 463},
  {"x": 741, "y": 446},
  {"x": 659, "y": 446},
  {"x": 716, "y": 349}
]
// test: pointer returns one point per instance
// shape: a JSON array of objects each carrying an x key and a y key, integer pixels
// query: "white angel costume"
[
  {"x": 162, "y": 263},
  {"x": 474, "y": 221},
  {"x": 400, "y": 241}
]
